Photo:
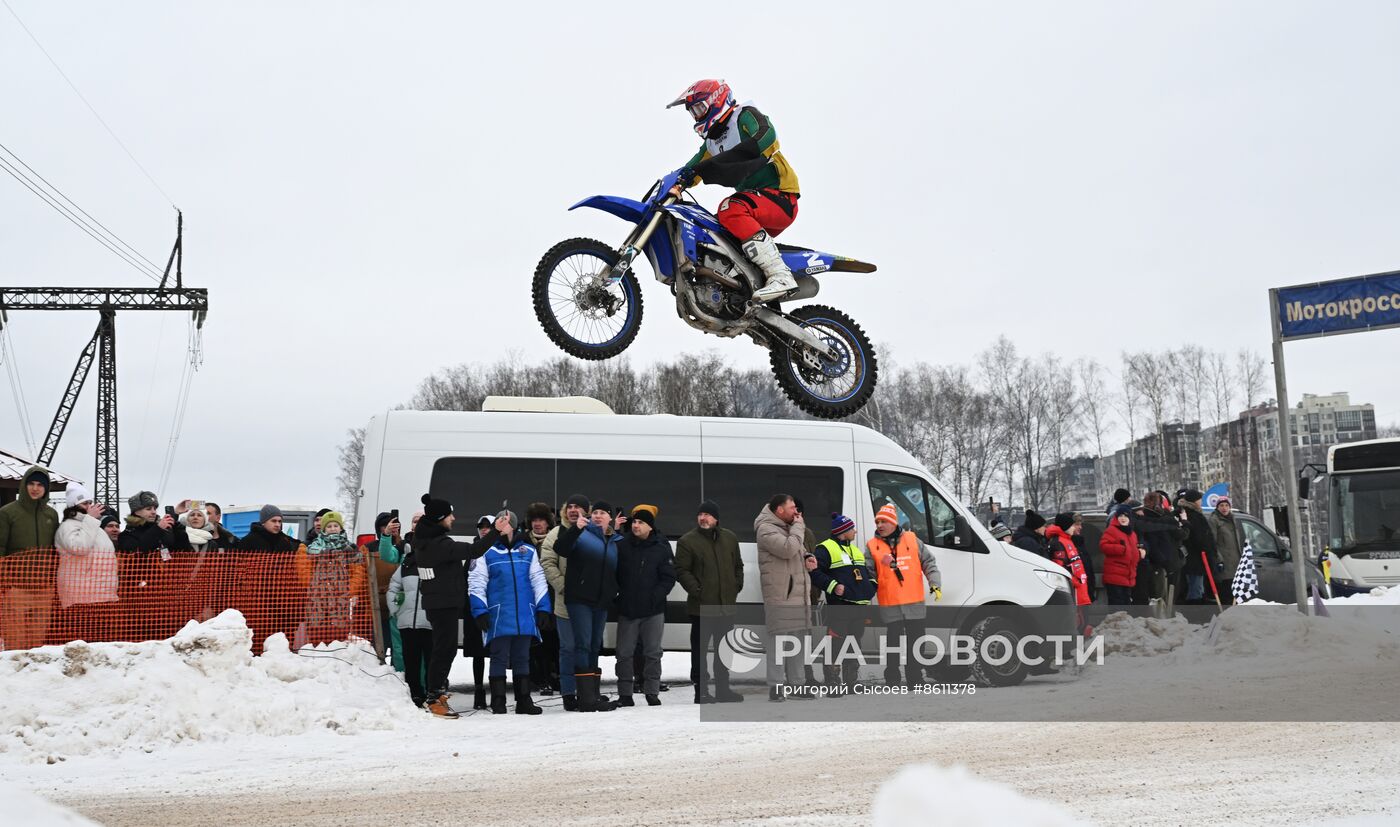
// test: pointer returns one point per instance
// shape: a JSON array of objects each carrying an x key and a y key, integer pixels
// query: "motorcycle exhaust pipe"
[{"x": 714, "y": 275}]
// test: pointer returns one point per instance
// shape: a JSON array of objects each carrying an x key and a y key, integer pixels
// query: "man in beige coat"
[{"x": 783, "y": 564}]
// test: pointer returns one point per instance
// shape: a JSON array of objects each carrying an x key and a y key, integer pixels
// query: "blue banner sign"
[{"x": 1341, "y": 306}]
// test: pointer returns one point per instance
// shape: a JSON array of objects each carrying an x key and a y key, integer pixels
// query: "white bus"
[
  {"x": 1363, "y": 515},
  {"x": 480, "y": 461}
]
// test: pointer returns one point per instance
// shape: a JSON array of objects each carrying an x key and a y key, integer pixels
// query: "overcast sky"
[{"x": 368, "y": 187}]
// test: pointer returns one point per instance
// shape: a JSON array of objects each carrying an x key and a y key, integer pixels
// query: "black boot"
[
  {"x": 725, "y": 695},
  {"x": 653, "y": 700},
  {"x": 524, "y": 704},
  {"x": 479, "y": 701},
  {"x": 775, "y": 695},
  {"x": 570, "y": 703},
  {"x": 589, "y": 699},
  {"x": 625, "y": 700},
  {"x": 587, "y": 693},
  {"x": 498, "y": 695}
]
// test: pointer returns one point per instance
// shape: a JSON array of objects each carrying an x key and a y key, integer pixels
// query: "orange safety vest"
[{"x": 890, "y": 591}]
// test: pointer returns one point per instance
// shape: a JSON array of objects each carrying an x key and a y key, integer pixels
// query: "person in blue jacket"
[
  {"x": 510, "y": 602},
  {"x": 590, "y": 585}
]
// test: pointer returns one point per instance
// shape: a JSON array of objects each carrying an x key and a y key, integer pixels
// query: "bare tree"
[
  {"x": 351, "y": 463},
  {"x": 1249, "y": 371},
  {"x": 1093, "y": 397}
]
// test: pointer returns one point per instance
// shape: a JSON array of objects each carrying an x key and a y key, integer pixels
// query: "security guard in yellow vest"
[{"x": 845, "y": 574}]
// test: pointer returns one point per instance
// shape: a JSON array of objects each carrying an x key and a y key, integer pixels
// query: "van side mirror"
[
  {"x": 962, "y": 532},
  {"x": 1304, "y": 485}
]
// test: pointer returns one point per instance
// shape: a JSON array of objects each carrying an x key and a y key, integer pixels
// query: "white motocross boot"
[{"x": 763, "y": 251}]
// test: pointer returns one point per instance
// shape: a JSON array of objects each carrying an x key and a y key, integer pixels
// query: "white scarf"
[{"x": 199, "y": 538}]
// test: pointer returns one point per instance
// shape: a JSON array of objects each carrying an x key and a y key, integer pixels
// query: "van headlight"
[{"x": 1055, "y": 580}]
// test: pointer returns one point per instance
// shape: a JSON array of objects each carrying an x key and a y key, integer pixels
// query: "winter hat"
[
  {"x": 435, "y": 510},
  {"x": 602, "y": 505},
  {"x": 333, "y": 517},
  {"x": 1121, "y": 495},
  {"x": 322, "y": 512},
  {"x": 75, "y": 494},
  {"x": 1064, "y": 521},
  {"x": 381, "y": 520},
  {"x": 708, "y": 507},
  {"x": 1000, "y": 530},
  {"x": 1033, "y": 521},
  {"x": 510, "y": 517},
  {"x": 887, "y": 514},
  {"x": 539, "y": 511},
  {"x": 578, "y": 500},
  {"x": 109, "y": 519},
  {"x": 840, "y": 524},
  {"x": 1190, "y": 495},
  {"x": 646, "y": 514},
  {"x": 485, "y": 519},
  {"x": 142, "y": 499},
  {"x": 268, "y": 512},
  {"x": 37, "y": 474},
  {"x": 1225, "y": 500}
]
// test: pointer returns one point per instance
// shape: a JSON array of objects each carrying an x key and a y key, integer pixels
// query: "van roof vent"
[{"x": 545, "y": 404}]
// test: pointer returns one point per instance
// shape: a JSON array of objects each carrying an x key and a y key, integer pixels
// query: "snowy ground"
[{"x": 193, "y": 732}]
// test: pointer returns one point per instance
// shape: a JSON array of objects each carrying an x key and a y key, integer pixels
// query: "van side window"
[
  {"x": 1261, "y": 542},
  {"x": 741, "y": 491},
  {"x": 479, "y": 485},
  {"x": 920, "y": 508},
  {"x": 673, "y": 487}
]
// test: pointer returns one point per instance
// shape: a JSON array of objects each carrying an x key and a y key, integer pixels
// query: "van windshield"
[{"x": 1364, "y": 512}]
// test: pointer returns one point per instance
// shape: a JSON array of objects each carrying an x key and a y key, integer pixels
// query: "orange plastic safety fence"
[{"x": 53, "y": 597}]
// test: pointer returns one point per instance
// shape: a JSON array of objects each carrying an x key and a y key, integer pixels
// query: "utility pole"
[{"x": 102, "y": 349}]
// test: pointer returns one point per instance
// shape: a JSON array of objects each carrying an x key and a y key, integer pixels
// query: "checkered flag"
[{"x": 1246, "y": 582}]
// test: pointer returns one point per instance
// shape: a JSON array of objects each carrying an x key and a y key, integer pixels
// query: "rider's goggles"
[{"x": 699, "y": 109}]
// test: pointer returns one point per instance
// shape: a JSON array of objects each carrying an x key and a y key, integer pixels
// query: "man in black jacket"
[
  {"x": 442, "y": 582},
  {"x": 1031, "y": 535},
  {"x": 267, "y": 534},
  {"x": 1161, "y": 534},
  {"x": 1200, "y": 547},
  {"x": 646, "y": 573}
]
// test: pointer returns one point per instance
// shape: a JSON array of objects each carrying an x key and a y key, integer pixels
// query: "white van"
[{"x": 480, "y": 461}]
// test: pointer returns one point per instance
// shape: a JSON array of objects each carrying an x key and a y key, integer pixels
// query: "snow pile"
[
  {"x": 1242, "y": 632},
  {"x": 202, "y": 684},
  {"x": 923, "y": 794},
  {"x": 1135, "y": 637},
  {"x": 24, "y": 807}
]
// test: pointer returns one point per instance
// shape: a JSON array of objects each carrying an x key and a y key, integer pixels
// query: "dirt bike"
[{"x": 588, "y": 299}]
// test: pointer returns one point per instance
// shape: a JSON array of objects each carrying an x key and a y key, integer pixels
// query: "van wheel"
[{"x": 1001, "y": 636}]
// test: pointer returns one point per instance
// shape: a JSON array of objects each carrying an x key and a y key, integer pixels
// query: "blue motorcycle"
[{"x": 588, "y": 299}]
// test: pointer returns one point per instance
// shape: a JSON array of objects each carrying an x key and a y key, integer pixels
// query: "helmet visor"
[{"x": 698, "y": 110}]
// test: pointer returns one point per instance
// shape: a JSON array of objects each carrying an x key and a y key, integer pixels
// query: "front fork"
[{"x": 635, "y": 243}]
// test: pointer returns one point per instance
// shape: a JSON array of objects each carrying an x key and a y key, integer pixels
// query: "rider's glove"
[
  {"x": 685, "y": 176},
  {"x": 936, "y": 592}
]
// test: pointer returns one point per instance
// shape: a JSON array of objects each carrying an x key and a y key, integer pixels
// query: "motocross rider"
[{"x": 741, "y": 151}]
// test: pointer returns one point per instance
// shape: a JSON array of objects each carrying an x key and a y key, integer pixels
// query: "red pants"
[{"x": 743, "y": 214}]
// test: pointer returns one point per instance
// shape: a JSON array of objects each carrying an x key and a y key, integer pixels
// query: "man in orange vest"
[{"x": 903, "y": 566}]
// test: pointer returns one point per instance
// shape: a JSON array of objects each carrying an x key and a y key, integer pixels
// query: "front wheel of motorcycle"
[
  {"x": 827, "y": 388},
  {"x": 581, "y": 313}
]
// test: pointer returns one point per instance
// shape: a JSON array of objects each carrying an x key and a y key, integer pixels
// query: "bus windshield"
[{"x": 1364, "y": 513}]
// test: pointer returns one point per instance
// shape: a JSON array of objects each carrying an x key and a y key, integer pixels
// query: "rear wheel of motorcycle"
[
  {"x": 834, "y": 389},
  {"x": 559, "y": 288}
]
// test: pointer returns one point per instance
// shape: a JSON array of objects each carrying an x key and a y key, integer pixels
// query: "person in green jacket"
[
  {"x": 28, "y": 525},
  {"x": 709, "y": 568}
]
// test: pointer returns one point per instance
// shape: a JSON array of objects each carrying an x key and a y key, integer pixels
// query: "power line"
[
  {"x": 77, "y": 222},
  {"x": 74, "y": 87},
  {"x": 113, "y": 236},
  {"x": 7, "y": 346}
]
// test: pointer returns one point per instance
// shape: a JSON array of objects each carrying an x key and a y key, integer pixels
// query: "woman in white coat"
[{"x": 87, "y": 571}]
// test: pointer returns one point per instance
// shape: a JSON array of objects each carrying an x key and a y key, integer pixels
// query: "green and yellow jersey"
[{"x": 743, "y": 153}]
